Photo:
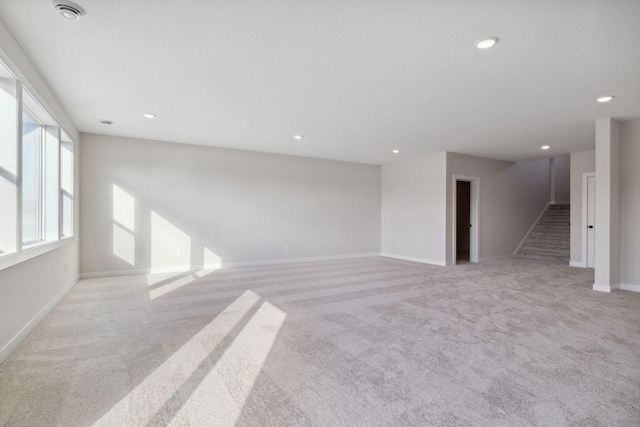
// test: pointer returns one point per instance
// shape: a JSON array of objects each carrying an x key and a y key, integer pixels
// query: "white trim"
[
  {"x": 601, "y": 288},
  {"x": 224, "y": 265},
  {"x": 414, "y": 259},
  {"x": 585, "y": 207},
  {"x": 628, "y": 287},
  {"x": 474, "y": 235},
  {"x": 293, "y": 260},
  {"x": 531, "y": 229},
  {"x": 580, "y": 264},
  {"x": 605, "y": 288},
  {"x": 552, "y": 181},
  {"x": 11, "y": 259},
  {"x": 22, "y": 334}
]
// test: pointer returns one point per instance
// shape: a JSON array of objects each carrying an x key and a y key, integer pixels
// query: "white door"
[{"x": 591, "y": 221}]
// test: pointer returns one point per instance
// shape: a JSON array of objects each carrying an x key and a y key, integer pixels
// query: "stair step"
[
  {"x": 552, "y": 228},
  {"x": 551, "y": 242},
  {"x": 553, "y": 220},
  {"x": 552, "y": 224},
  {"x": 546, "y": 250},
  {"x": 543, "y": 257},
  {"x": 557, "y": 214},
  {"x": 559, "y": 208},
  {"x": 549, "y": 239}
]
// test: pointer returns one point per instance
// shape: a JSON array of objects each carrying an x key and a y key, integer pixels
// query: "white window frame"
[
  {"x": 40, "y": 178},
  {"x": 36, "y": 248}
]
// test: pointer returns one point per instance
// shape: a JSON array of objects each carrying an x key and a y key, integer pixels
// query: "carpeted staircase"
[{"x": 549, "y": 239}]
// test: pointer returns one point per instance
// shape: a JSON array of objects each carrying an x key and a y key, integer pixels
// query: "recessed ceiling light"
[
  {"x": 149, "y": 115},
  {"x": 68, "y": 10},
  {"x": 545, "y": 147},
  {"x": 486, "y": 43},
  {"x": 106, "y": 122},
  {"x": 395, "y": 151},
  {"x": 605, "y": 98},
  {"x": 298, "y": 137}
]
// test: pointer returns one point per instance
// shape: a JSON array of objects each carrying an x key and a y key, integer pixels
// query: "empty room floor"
[{"x": 366, "y": 341}]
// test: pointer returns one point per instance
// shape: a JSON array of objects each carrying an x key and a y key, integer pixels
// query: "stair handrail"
[{"x": 531, "y": 229}]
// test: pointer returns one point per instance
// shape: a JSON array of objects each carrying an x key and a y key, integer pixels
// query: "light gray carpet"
[{"x": 369, "y": 341}]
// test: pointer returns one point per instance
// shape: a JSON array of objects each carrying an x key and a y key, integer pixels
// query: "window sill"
[{"x": 32, "y": 251}]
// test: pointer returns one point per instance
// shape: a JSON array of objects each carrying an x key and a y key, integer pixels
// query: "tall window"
[
  {"x": 31, "y": 180},
  {"x": 36, "y": 172},
  {"x": 8, "y": 162},
  {"x": 66, "y": 185}
]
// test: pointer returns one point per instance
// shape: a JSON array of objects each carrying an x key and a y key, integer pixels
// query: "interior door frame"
[
  {"x": 585, "y": 207},
  {"x": 474, "y": 217}
]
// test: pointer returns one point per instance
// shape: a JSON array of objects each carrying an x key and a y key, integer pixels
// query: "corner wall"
[
  {"x": 414, "y": 210},
  {"x": 630, "y": 205},
  {"x": 30, "y": 289},
  {"x": 581, "y": 162},
  {"x": 159, "y": 206},
  {"x": 562, "y": 166},
  {"x": 511, "y": 197}
]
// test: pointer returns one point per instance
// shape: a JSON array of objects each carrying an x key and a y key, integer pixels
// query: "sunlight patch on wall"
[
  {"x": 211, "y": 260},
  {"x": 124, "y": 225},
  {"x": 223, "y": 392},
  {"x": 170, "y": 246},
  {"x": 124, "y": 244},
  {"x": 124, "y": 208},
  {"x": 165, "y": 381}
]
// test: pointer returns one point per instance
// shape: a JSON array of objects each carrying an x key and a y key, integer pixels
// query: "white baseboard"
[
  {"x": 134, "y": 272},
  {"x": 628, "y": 287},
  {"x": 577, "y": 264},
  {"x": 294, "y": 260},
  {"x": 414, "y": 259},
  {"x": 224, "y": 265},
  {"x": 605, "y": 288},
  {"x": 601, "y": 288},
  {"x": 22, "y": 334}
]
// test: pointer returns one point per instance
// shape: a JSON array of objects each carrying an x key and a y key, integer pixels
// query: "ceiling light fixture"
[
  {"x": 106, "y": 122},
  {"x": 298, "y": 137},
  {"x": 149, "y": 115},
  {"x": 486, "y": 43},
  {"x": 70, "y": 11},
  {"x": 395, "y": 151},
  {"x": 605, "y": 98},
  {"x": 545, "y": 147}
]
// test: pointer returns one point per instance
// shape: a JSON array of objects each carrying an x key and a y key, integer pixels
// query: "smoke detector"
[{"x": 69, "y": 10}]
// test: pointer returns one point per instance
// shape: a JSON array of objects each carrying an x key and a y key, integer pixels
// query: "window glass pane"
[
  {"x": 8, "y": 162},
  {"x": 31, "y": 165},
  {"x": 66, "y": 184},
  {"x": 51, "y": 192}
]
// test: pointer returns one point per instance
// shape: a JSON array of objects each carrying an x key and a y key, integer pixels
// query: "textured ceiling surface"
[{"x": 356, "y": 78}]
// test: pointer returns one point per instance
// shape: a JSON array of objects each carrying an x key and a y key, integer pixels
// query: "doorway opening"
[
  {"x": 465, "y": 219},
  {"x": 589, "y": 219}
]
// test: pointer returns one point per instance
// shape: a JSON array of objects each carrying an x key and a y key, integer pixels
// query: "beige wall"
[
  {"x": 28, "y": 290},
  {"x": 562, "y": 166},
  {"x": 511, "y": 197},
  {"x": 630, "y": 205},
  {"x": 157, "y": 206},
  {"x": 417, "y": 205},
  {"x": 413, "y": 209},
  {"x": 581, "y": 162}
]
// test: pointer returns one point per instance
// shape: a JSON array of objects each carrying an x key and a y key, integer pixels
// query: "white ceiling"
[{"x": 356, "y": 78}]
